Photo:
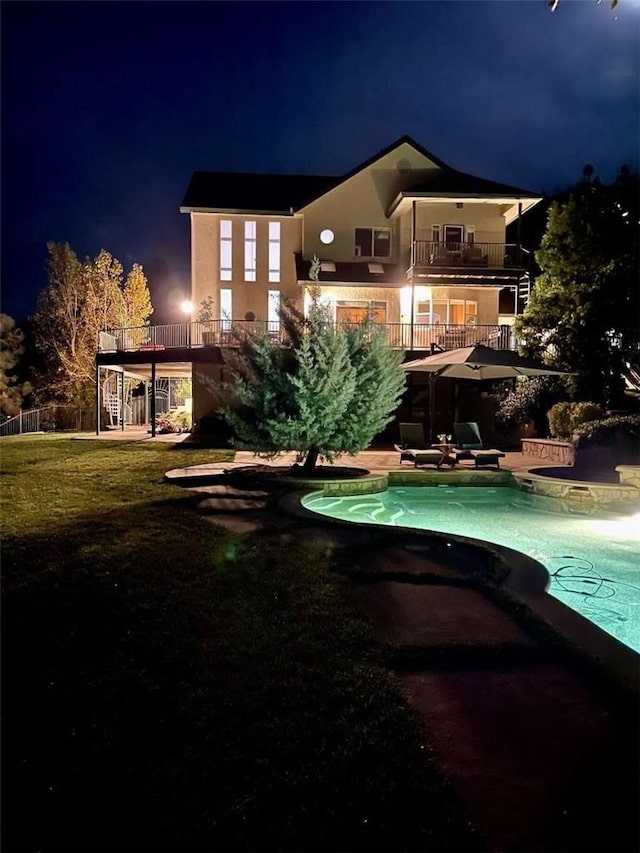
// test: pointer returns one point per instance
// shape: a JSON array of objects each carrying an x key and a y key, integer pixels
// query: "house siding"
[
  {"x": 247, "y": 296},
  {"x": 362, "y": 201}
]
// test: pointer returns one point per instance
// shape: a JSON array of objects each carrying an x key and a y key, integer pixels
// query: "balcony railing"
[
  {"x": 419, "y": 336},
  {"x": 494, "y": 255}
]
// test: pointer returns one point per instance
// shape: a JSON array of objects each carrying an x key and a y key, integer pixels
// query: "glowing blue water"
[{"x": 592, "y": 559}]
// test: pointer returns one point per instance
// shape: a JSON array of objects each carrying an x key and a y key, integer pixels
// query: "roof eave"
[
  {"x": 498, "y": 198},
  {"x": 246, "y": 211}
]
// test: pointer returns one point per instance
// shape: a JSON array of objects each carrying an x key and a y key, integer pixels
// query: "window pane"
[
  {"x": 273, "y": 306},
  {"x": 274, "y": 251},
  {"x": 226, "y": 273},
  {"x": 249, "y": 251},
  {"x": 225, "y": 255},
  {"x": 381, "y": 243},
  {"x": 225, "y": 308},
  {"x": 363, "y": 243}
]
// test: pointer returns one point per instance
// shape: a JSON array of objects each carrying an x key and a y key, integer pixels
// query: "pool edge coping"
[{"x": 527, "y": 582}]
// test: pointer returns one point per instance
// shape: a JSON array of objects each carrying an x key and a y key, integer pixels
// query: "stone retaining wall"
[{"x": 549, "y": 450}]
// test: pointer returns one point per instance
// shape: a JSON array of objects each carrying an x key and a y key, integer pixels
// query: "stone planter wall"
[
  {"x": 629, "y": 475},
  {"x": 549, "y": 450}
]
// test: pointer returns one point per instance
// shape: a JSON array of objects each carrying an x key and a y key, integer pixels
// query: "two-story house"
[
  {"x": 404, "y": 236},
  {"x": 415, "y": 242}
]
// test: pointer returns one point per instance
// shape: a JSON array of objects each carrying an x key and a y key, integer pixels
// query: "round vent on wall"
[{"x": 326, "y": 236}]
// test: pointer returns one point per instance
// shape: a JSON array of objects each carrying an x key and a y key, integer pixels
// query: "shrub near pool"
[{"x": 169, "y": 687}]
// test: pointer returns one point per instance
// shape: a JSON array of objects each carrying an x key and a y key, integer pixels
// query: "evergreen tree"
[
  {"x": 12, "y": 392},
  {"x": 583, "y": 312},
  {"x": 327, "y": 391}
]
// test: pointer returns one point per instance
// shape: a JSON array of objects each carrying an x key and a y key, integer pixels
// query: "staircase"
[{"x": 112, "y": 405}]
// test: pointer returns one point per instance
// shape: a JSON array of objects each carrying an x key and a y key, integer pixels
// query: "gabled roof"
[
  {"x": 459, "y": 183},
  {"x": 258, "y": 193},
  {"x": 284, "y": 194}
]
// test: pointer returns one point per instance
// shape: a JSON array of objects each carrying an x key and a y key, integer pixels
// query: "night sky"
[{"x": 107, "y": 108}]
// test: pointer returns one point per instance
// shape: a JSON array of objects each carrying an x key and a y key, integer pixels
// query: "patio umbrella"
[{"x": 477, "y": 362}]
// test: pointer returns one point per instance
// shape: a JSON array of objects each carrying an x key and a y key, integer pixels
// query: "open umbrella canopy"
[{"x": 480, "y": 362}]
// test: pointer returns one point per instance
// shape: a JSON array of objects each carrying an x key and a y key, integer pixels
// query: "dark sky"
[{"x": 107, "y": 108}]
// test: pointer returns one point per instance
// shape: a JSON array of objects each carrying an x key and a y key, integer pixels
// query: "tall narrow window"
[
  {"x": 435, "y": 233},
  {"x": 273, "y": 309},
  {"x": 249, "y": 251},
  {"x": 471, "y": 234},
  {"x": 226, "y": 253},
  {"x": 274, "y": 251},
  {"x": 226, "y": 309}
]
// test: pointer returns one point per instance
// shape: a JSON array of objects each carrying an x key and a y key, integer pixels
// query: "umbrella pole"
[{"x": 432, "y": 385}]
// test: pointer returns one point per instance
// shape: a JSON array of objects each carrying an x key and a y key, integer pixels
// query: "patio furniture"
[
  {"x": 449, "y": 454},
  {"x": 486, "y": 457},
  {"x": 470, "y": 445},
  {"x": 473, "y": 256},
  {"x": 468, "y": 436},
  {"x": 413, "y": 448},
  {"x": 432, "y": 456}
]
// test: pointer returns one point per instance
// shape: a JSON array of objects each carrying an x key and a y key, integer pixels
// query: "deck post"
[
  {"x": 97, "y": 398},
  {"x": 122, "y": 400},
  {"x": 153, "y": 399},
  {"x": 413, "y": 260}
]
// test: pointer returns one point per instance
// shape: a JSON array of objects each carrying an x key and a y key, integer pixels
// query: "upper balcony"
[
  {"x": 187, "y": 339},
  {"x": 464, "y": 259}
]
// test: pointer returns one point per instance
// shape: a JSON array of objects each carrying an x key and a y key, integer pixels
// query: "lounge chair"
[
  {"x": 413, "y": 448},
  {"x": 469, "y": 446}
]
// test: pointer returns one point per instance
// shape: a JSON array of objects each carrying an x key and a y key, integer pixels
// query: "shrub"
[
  {"x": 605, "y": 428},
  {"x": 530, "y": 400},
  {"x": 565, "y": 418},
  {"x": 519, "y": 404},
  {"x": 174, "y": 421}
]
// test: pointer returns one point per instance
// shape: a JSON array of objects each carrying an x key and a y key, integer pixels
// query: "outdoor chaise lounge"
[
  {"x": 469, "y": 442},
  {"x": 413, "y": 448}
]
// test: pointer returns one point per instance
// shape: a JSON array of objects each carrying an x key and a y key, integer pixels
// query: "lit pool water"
[{"x": 593, "y": 560}]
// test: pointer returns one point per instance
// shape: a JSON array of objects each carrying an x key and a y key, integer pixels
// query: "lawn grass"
[{"x": 167, "y": 686}]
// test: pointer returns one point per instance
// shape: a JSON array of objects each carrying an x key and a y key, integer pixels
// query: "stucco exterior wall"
[
  {"x": 205, "y": 377},
  {"x": 246, "y": 296},
  {"x": 361, "y": 201}
]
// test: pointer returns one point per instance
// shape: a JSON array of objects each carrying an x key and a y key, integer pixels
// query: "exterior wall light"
[{"x": 327, "y": 236}]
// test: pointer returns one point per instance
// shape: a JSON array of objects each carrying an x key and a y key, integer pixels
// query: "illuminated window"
[
  {"x": 273, "y": 309},
  {"x": 359, "y": 311},
  {"x": 274, "y": 251},
  {"x": 249, "y": 251},
  {"x": 372, "y": 243},
  {"x": 226, "y": 272},
  {"x": 226, "y": 308}
]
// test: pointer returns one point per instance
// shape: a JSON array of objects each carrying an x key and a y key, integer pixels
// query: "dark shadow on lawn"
[{"x": 169, "y": 688}]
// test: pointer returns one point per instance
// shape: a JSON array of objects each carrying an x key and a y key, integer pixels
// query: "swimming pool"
[{"x": 592, "y": 559}]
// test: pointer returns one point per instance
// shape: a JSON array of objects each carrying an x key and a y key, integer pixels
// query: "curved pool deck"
[{"x": 516, "y": 471}]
